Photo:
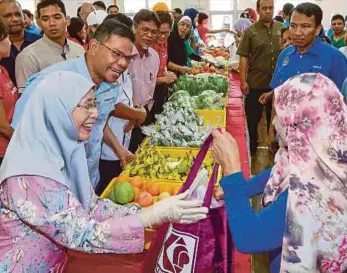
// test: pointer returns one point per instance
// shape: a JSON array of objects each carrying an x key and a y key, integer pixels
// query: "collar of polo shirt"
[
  {"x": 55, "y": 45},
  {"x": 313, "y": 50}
]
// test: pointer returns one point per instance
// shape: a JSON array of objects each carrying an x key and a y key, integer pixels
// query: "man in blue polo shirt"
[
  {"x": 12, "y": 17},
  {"x": 108, "y": 56},
  {"x": 309, "y": 53}
]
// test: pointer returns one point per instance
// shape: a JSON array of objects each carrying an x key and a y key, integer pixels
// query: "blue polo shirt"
[
  {"x": 9, "y": 63},
  {"x": 320, "y": 58},
  {"x": 34, "y": 29},
  {"x": 106, "y": 96}
]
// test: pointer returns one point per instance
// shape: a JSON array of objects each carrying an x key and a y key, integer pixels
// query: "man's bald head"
[{"x": 86, "y": 8}]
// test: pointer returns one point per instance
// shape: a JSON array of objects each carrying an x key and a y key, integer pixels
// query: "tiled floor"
[{"x": 262, "y": 160}]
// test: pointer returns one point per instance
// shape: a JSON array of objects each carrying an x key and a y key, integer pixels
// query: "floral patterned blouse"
[{"x": 40, "y": 219}]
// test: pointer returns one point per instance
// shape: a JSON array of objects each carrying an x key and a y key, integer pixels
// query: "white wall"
[{"x": 328, "y": 6}]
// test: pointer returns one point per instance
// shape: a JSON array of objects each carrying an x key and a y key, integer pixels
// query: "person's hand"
[
  {"x": 184, "y": 70},
  {"x": 226, "y": 152},
  {"x": 175, "y": 209},
  {"x": 125, "y": 157},
  {"x": 129, "y": 126},
  {"x": 171, "y": 75},
  {"x": 168, "y": 80},
  {"x": 244, "y": 88},
  {"x": 264, "y": 98},
  {"x": 218, "y": 193}
]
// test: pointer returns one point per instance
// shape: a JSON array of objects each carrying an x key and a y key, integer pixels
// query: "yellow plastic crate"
[{"x": 215, "y": 117}]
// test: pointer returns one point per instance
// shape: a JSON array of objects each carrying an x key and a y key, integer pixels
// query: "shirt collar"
[
  {"x": 147, "y": 52},
  {"x": 52, "y": 44},
  {"x": 260, "y": 24},
  {"x": 315, "y": 49},
  {"x": 83, "y": 70}
]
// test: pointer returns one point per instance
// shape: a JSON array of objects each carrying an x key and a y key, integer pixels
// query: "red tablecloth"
[
  {"x": 100, "y": 263},
  {"x": 236, "y": 126}
]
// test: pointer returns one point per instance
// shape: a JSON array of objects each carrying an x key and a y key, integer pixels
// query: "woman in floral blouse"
[
  {"x": 304, "y": 219},
  {"x": 47, "y": 203}
]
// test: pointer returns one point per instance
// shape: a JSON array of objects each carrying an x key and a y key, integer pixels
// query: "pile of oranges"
[{"x": 148, "y": 192}]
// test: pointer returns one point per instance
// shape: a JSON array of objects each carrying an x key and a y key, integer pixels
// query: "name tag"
[{"x": 317, "y": 67}]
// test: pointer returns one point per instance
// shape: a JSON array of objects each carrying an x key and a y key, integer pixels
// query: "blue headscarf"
[
  {"x": 191, "y": 13},
  {"x": 46, "y": 141}
]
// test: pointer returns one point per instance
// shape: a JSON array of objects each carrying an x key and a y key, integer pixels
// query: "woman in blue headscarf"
[
  {"x": 47, "y": 203},
  {"x": 195, "y": 40}
]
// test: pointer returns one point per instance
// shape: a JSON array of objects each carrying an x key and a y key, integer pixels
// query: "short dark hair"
[
  {"x": 310, "y": 9},
  {"x": 283, "y": 30},
  {"x": 111, "y": 27},
  {"x": 279, "y": 18},
  {"x": 3, "y": 31},
  {"x": 337, "y": 17},
  {"x": 258, "y": 4},
  {"x": 145, "y": 15},
  {"x": 28, "y": 13},
  {"x": 122, "y": 18},
  {"x": 78, "y": 11},
  {"x": 201, "y": 17},
  {"x": 287, "y": 8},
  {"x": 112, "y": 6},
  {"x": 47, "y": 3},
  {"x": 100, "y": 4},
  {"x": 178, "y": 10},
  {"x": 165, "y": 17},
  {"x": 76, "y": 25}
]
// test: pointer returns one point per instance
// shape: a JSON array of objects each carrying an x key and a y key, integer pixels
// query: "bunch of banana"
[{"x": 150, "y": 163}]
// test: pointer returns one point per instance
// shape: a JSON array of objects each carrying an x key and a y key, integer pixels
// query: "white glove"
[{"x": 174, "y": 209}]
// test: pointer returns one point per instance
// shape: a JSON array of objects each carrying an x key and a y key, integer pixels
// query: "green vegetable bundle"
[
  {"x": 208, "y": 99},
  {"x": 194, "y": 85}
]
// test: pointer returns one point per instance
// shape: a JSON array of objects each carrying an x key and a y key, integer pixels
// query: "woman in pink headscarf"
[{"x": 304, "y": 221}]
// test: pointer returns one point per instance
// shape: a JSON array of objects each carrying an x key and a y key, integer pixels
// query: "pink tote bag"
[{"x": 202, "y": 247}]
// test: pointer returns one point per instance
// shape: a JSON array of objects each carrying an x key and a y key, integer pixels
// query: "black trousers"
[
  {"x": 160, "y": 97},
  {"x": 108, "y": 170},
  {"x": 253, "y": 112}
]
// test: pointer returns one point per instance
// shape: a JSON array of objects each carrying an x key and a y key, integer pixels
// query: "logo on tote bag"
[{"x": 178, "y": 254}]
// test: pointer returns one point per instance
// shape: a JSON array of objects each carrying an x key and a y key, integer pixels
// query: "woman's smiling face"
[{"x": 84, "y": 115}]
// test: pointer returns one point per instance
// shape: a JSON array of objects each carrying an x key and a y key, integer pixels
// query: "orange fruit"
[
  {"x": 136, "y": 181},
  {"x": 144, "y": 184},
  {"x": 176, "y": 189},
  {"x": 145, "y": 199},
  {"x": 153, "y": 189},
  {"x": 122, "y": 178},
  {"x": 167, "y": 188},
  {"x": 137, "y": 193}
]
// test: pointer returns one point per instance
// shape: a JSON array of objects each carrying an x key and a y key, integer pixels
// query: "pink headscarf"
[{"x": 312, "y": 117}]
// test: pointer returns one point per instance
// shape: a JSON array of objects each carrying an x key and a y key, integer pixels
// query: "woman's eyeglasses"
[{"x": 90, "y": 107}]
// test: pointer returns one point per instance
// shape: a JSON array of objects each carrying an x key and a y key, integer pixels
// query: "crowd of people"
[{"x": 74, "y": 93}]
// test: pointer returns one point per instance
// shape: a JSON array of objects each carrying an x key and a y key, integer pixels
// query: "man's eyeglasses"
[
  {"x": 146, "y": 31},
  {"x": 90, "y": 107},
  {"x": 117, "y": 54}
]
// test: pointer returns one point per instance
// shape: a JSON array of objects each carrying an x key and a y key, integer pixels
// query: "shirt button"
[
  {"x": 300, "y": 56},
  {"x": 297, "y": 72}
]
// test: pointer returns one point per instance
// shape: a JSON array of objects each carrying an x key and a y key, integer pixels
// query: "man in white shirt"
[{"x": 52, "y": 48}]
